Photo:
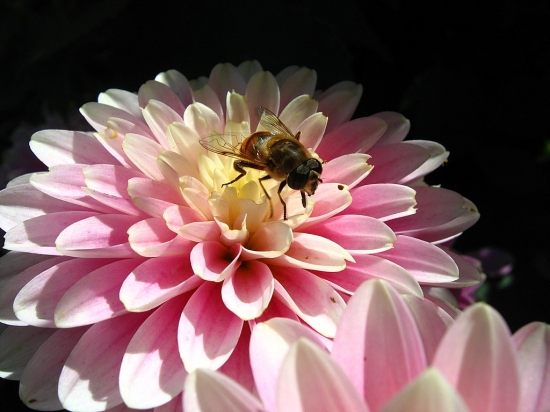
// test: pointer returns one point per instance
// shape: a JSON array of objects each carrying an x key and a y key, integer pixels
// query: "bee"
[{"x": 277, "y": 151}]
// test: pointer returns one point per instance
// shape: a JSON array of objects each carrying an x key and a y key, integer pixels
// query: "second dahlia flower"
[{"x": 132, "y": 263}]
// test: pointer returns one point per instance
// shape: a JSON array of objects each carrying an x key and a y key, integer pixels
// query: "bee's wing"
[
  {"x": 219, "y": 143},
  {"x": 272, "y": 123}
]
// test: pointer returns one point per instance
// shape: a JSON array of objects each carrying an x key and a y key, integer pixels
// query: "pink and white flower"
[
  {"x": 132, "y": 260},
  {"x": 391, "y": 353}
]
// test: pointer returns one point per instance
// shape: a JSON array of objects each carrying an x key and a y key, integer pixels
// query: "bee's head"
[{"x": 306, "y": 177}]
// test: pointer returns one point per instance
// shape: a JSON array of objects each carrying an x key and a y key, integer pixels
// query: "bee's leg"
[
  {"x": 281, "y": 187},
  {"x": 238, "y": 166},
  {"x": 298, "y": 134},
  {"x": 266, "y": 194},
  {"x": 303, "y": 198}
]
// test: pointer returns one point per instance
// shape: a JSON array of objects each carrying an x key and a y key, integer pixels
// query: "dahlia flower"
[
  {"x": 391, "y": 353},
  {"x": 132, "y": 263}
]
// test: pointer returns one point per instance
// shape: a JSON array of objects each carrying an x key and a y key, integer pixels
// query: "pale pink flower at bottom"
[
  {"x": 383, "y": 360},
  {"x": 132, "y": 263}
]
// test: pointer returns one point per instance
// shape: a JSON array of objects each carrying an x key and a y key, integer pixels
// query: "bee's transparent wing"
[{"x": 272, "y": 123}]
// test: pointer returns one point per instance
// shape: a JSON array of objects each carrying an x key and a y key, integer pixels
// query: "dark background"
[{"x": 472, "y": 75}]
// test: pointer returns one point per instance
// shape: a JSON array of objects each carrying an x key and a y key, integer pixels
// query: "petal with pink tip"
[
  {"x": 208, "y": 332},
  {"x": 213, "y": 261},
  {"x": 202, "y": 119},
  {"x": 532, "y": 343},
  {"x": 299, "y": 109},
  {"x": 313, "y": 129},
  {"x": 368, "y": 267},
  {"x": 357, "y": 135},
  {"x": 378, "y": 344},
  {"x": 330, "y": 199},
  {"x": 121, "y": 99},
  {"x": 39, "y": 382},
  {"x": 158, "y": 116},
  {"x": 109, "y": 179},
  {"x": 262, "y": 90},
  {"x": 179, "y": 85},
  {"x": 23, "y": 202},
  {"x": 39, "y": 234},
  {"x": 339, "y": 102},
  {"x": 190, "y": 225},
  {"x": 155, "y": 281},
  {"x": 36, "y": 302},
  {"x": 311, "y": 381},
  {"x": 115, "y": 203},
  {"x": 432, "y": 322},
  {"x": 478, "y": 358},
  {"x": 17, "y": 346},
  {"x": 143, "y": 152},
  {"x": 54, "y": 147},
  {"x": 314, "y": 252},
  {"x": 224, "y": 77},
  {"x": 248, "y": 291},
  {"x": 153, "y": 90},
  {"x": 395, "y": 161},
  {"x": 207, "y": 390},
  {"x": 301, "y": 82},
  {"x": 426, "y": 262},
  {"x": 469, "y": 274},
  {"x": 383, "y": 201},
  {"x": 430, "y": 392},
  {"x": 151, "y": 238},
  {"x": 95, "y": 297},
  {"x": 438, "y": 155},
  {"x": 207, "y": 97},
  {"x": 347, "y": 169},
  {"x": 398, "y": 128},
  {"x": 14, "y": 282},
  {"x": 269, "y": 345},
  {"x": 89, "y": 378},
  {"x": 144, "y": 188},
  {"x": 98, "y": 236},
  {"x": 357, "y": 234},
  {"x": 310, "y": 297},
  {"x": 97, "y": 114},
  {"x": 152, "y": 372}
]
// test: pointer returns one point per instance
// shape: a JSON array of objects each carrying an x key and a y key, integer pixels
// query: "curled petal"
[
  {"x": 477, "y": 357},
  {"x": 270, "y": 240},
  {"x": 208, "y": 332},
  {"x": 151, "y": 238},
  {"x": 311, "y": 381},
  {"x": 213, "y": 261}
]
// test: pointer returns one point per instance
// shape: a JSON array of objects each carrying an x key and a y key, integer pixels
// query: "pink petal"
[
  {"x": 190, "y": 224},
  {"x": 142, "y": 189},
  {"x": 314, "y": 252},
  {"x": 395, "y": 161},
  {"x": 426, "y": 262},
  {"x": 158, "y": 116},
  {"x": 112, "y": 139},
  {"x": 248, "y": 68},
  {"x": 20, "y": 269},
  {"x": 109, "y": 179},
  {"x": 313, "y": 129},
  {"x": 248, "y": 291},
  {"x": 39, "y": 382},
  {"x": 357, "y": 234},
  {"x": 311, "y": 381},
  {"x": 153, "y": 90},
  {"x": 55, "y": 147},
  {"x": 175, "y": 405},
  {"x": 398, "y": 128},
  {"x": 213, "y": 261},
  {"x": 89, "y": 379},
  {"x": 310, "y": 297},
  {"x": 151, "y": 238},
  {"x": 348, "y": 169},
  {"x": 97, "y": 236},
  {"x": 98, "y": 114},
  {"x": 208, "y": 331},
  {"x": 532, "y": 343},
  {"x": 36, "y": 302},
  {"x": 270, "y": 240},
  {"x": 432, "y": 322},
  {"x": 469, "y": 274},
  {"x": 298, "y": 83},
  {"x": 238, "y": 366},
  {"x": 368, "y": 267},
  {"x": 17, "y": 346},
  {"x": 178, "y": 83},
  {"x": 95, "y": 297},
  {"x": 384, "y": 201},
  {"x": 378, "y": 344},
  {"x": 269, "y": 345},
  {"x": 155, "y": 281},
  {"x": 121, "y": 99},
  {"x": 330, "y": 199},
  {"x": 207, "y": 390},
  {"x": 477, "y": 357},
  {"x": 152, "y": 372},
  {"x": 430, "y": 392},
  {"x": 202, "y": 119},
  {"x": 339, "y": 102},
  {"x": 224, "y": 77},
  {"x": 23, "y": 202},
  {"x": 438, "y": 155},
  {"x": 206, "y": 97},
  {"x": 143, "y": 152},
  {"x": 357, "y": 135},
  {"x": 298, "y": 110}
]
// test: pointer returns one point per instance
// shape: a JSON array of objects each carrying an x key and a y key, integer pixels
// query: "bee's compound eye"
[
  {"x": 314, "y": 164},
  {"x": 298, "y": 178}
]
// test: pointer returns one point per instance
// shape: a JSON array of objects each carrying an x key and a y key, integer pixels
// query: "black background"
[{"x": 472, "y": 75}]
